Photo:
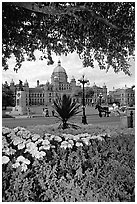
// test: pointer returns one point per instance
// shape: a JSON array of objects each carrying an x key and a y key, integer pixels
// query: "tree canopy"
[
  {"x": 101, "y": 31},
  {"x": 7, "y": 96},
  {"x": 89, "y": 92}
]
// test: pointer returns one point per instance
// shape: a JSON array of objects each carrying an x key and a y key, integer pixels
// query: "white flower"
[
  {"x": 76, "y": 137},
  {"x": 20, "y": 159},
  {"x": 44, "y": 147},
  {"x": 9, "y": 151},
  {"x": 47, "y": 135},
  {"x": 17, "y": 140},
  {"x": 21, "y": 146},
  {"x": 16, "y": 165},
  {"x": 11, "y": 134},
  {"x": 26, "y": 134},
  {"x": 23, "y": 129},
  {"x": 5, "y": 159},
  {"x": 100, "y": 138},
  {"x": 86, "y": 135},
  {"x": 85, "y": 140},
  {"x": 46, "y": 142},
  {"x": 16, "y": 129},
  {"x": 51, "y": 137},
  {"x": 71, "y": 142},
  {"x": 53, "y": 146},
  {"x": 93, "y": 137},
  {"x": 28, "y": 140},
  {"x": 23, "y": 167},
  {"x": 19, "y": 133},
  {"x": 42, "y": 153},
  {"x": 97, "y": 137},
  {"x": 78, "y": 144},
  {"x": 64, "y": 144},
  {"x": 68, "y": 136},
  {"x": 30, "y": 145},
  {"x": 26, "y": 161},
  {"x": 57, "y": 138},
  {"x": 5, "y": 130},
  {"x": 70, "y": 145},
  {"x": 64, "y": 134},
  {"x": 39, "y": 141},
  {"x": 5, "y": 149},
  {"x": 38, "y": 154},
  {"x": 35, "y": 137}
]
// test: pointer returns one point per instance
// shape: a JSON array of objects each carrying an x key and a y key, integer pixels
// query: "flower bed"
[{"x": 66, "y": 167}]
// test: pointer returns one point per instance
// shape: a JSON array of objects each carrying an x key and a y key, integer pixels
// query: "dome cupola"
[
  {"x": 60, "y": 73},
  {"x": 59, "y": 68}
]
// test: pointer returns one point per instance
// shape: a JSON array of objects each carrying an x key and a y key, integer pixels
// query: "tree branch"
[{"x": 52, "y": 10}]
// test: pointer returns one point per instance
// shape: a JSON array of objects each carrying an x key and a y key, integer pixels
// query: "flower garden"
[{"x": 44, "y": 165}]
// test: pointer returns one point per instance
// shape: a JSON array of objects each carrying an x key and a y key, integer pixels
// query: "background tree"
[
  {"x": 101, "y": 31},
  {"x": 7, "y": 96},
  {"x": 88, "y": 93}
]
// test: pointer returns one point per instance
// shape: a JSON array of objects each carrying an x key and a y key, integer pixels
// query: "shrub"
[
  {"x": 65, "y": 109},
  {"x": 75, "y": 168}
]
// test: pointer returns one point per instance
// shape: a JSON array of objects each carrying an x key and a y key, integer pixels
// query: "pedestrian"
[
  {"x": 53, "y": 112},
  {"x": 47, "y": 113},
  {"x": 43, "y": 112}
]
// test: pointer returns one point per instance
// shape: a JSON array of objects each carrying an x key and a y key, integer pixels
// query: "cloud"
[{"x": 39, "y": 70}]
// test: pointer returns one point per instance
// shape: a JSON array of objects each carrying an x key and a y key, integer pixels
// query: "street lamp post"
[
  {"x": 100, "y": 97},
  {"x": 83, "y": 82}
]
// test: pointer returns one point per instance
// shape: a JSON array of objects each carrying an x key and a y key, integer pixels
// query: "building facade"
[
  {"x": 123, "y": 96},
  {"x": 99, "y": 91},
  {"x": 45, "y": 94}
]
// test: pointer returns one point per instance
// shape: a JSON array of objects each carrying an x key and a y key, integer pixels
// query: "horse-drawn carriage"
[{"x": 104, "y": 110}]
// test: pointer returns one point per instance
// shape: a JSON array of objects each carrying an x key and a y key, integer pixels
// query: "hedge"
[{"x": 67, "y": 168}]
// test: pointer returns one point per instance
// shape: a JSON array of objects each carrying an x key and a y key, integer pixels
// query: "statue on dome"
[{"x": 20, "y": 86}]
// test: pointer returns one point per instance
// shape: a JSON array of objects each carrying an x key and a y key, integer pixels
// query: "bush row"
[{"x": 66, "y": 167}]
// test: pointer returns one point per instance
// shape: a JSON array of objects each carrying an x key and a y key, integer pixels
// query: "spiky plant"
[{"x": 65, "y": 109}]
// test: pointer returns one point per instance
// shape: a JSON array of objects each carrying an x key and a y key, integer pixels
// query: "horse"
[{"x": 103, "y": 109}]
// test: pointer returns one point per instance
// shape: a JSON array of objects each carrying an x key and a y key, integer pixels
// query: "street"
[{"x": 91, "y": 119}]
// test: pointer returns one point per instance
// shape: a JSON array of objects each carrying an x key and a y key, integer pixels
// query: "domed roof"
[{"x": 59, "y": 68}]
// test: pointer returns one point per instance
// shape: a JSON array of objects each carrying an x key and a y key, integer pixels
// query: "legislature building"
[{"x": 45, "y": 94}]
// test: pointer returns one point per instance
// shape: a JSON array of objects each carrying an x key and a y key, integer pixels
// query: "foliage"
[
  {"x": 101, "y": 171},
  {"x": 7, "y": 96},
  {"x": 65, "y": 109},
  {"x": 101, "y": 31},
  {"x": 88, "y": 92}
]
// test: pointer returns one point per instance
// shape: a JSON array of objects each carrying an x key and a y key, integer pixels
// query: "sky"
[{"x": 39, "y": 70}]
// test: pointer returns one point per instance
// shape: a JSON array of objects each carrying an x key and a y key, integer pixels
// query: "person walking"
[
  {"x": 44, "y": 114},
  {"x": 47, "y": 113},
  {"x": 53, "y": 113}
]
